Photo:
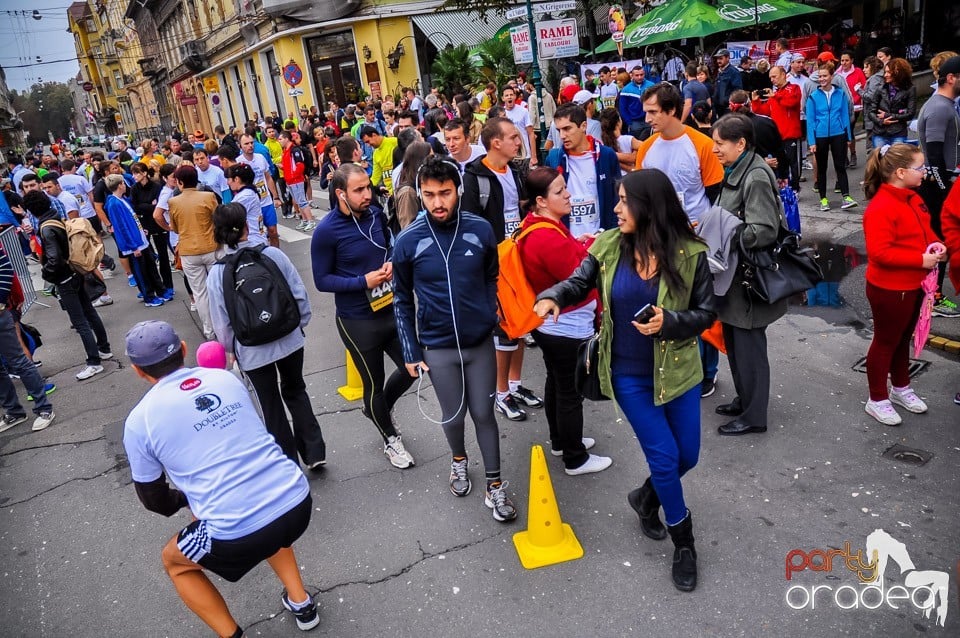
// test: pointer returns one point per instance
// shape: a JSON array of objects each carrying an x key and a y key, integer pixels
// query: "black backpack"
[{"x": 258, "y": 298}]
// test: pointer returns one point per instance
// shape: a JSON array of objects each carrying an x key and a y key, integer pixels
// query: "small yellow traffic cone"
[
  {"x": 547, "y": 539},
  {"x": 353, "y": 390}
]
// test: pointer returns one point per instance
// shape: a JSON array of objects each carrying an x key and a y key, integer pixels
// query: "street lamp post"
[{"x": 537, "y": 80}]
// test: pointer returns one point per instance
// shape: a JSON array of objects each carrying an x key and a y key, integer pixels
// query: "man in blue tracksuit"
[
  {"x": 449, "y": 258},
  {"x": 591, "y": 170},
  {"x": 630, "y": 104}
]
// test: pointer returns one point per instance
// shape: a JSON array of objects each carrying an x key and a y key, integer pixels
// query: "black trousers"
[
  {"x": 367, "y": 341},
  {"x": 161, "y": 243},
  {"x": 835, "y": 146},
  {"x": 145, "y": 273},
  {"x": 750, "y": 368},
  {"x": 792, "y": 150},
  {"x": 306, "y": 438},
  {"x": 84, "y": 318},
  {"x": 561, "y": 401}
]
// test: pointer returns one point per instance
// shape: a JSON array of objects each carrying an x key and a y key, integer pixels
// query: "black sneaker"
[
  {"x": 307, "y": 616},
  {"x": 707, "y": 388},
  {"x": 459, "y": 480},
  {"x": 509, "y": 408},
  {"x": 527, "y": 397},
  {"x": 10, "y": 420}
]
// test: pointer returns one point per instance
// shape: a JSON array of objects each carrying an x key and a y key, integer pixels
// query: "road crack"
[
  {"x": 115, "y": 468},
  {"x": 51, "y": 445}
]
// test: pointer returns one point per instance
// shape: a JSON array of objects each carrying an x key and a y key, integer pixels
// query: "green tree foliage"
[
  {"x": 46, "y": 108},
  {"x": 453, "y": 70},
  {"x": 496, "y": 62}
]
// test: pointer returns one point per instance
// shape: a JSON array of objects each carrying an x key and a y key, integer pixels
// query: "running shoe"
[
  {"x": 509, "y": 408},
  {"x": 530, "y": 341},
  {"x": 527, "y": 397},
  {"x": 48, "y": 388},
  {"x": 398, "y": 455},
  {"x": 593, "y": 464},
  {"x": 10, "y": 420},
  {"x": 496, "y": 499},
  {"x": 848, "y": 202},
  {"x": 824, "y": 204},
  {"x": 310, "y": 225},
  {"x": 807, "y": 166},
  {"x": 956, "y": 398},
  {"x": 883, "y": 411},
  {"x": 301, "y": 225},
  {"x": 104, "y": 355},
  {"x": 707, "y": 388},
  {"x": 853, "y": 161},
  {"x": 104, "y": 300},
  {"x": 944, "y": 307},
  {"x": 131, "y": 281},
  {"x": 460, "y": 484},
  {"x": 907, "y": 398},
  {"x": 88, "y": 372},
  {"x": 42, "y": 421},
  {"x": 587, "y": 444},
  {"x": 305, "y": 613},
  {"x": 193, "y": 306},
  {"x": 153, "y": 302},
  {"x": 168, "y": 294},
  {"x": 48, "y": 291},
  {"x": 836, "y": 189}
]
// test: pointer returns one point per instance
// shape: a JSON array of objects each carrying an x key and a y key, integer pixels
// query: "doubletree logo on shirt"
[
  {"x": 207, "y": 403},
  {"x": 218, "y": 415}
]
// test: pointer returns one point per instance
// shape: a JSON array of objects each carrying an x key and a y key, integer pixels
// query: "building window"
[
  {"x": 90, "y": 26},
  {"x": 118, "y": 79}
]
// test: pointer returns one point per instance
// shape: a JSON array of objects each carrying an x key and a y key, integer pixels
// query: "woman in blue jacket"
[
  {"x": 132, "y": 242},
  {"x": 828, "y": 132}
]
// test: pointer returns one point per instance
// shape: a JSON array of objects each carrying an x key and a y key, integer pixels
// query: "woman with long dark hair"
[
  {"x": 264, "y": 363},
  {"x": 611, "y": 125},
  {"x": 406, "y": 204},
  {"x": 550, "y": 254},
  {"x": 749, "y": 190},
  {"x": 144, "y": 196},
  {"x": 657, "y": 295}
]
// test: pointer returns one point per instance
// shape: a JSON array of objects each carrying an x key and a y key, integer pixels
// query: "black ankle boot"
[
  {"x": 684, "y": 554},
  {"x": 646, "y": 504}
]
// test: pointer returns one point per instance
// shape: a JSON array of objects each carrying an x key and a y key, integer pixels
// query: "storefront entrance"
[{"x": 333, "y": 63}]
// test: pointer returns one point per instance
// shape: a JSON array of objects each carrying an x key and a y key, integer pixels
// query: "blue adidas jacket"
[
  {"x": 418, "y": 264},
  {"x": 608, "y": 174},
  {"x": 827, "y": 119}
]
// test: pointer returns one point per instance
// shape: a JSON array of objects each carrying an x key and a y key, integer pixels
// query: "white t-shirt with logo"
[
  {"x": 679, "y": 160},
  {"x": 199, "y": 426},
  {"x": 511, "y": 201},
  {"x": 260, "y": 170},
  {"x": 475, "y": 151},
  {"x": 520, "y": 117},
  {"x": 214, "y": 178},
  {"x": 608, "y": 94},
  {"x": 584, "y": 196},
  {"x": 79, "y": 187},
  {"x": 69, "y": 202}
]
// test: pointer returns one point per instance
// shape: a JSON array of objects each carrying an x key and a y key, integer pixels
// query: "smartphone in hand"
[{"x": 645, "y": 314}]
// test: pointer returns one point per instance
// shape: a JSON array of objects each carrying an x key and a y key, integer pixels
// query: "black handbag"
[
  {"x": 586, "y": 376},
  {"x": 779, "y": 271}
]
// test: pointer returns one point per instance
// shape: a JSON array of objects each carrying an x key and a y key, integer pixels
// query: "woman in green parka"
[
  {"x": 749, "y": 191},
  {"x": 652, "y": 368}
]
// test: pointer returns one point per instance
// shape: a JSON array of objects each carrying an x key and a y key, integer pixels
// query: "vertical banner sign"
[
  {"x": 618, "y": 24},
  {"x": 520, "y": 39},
  {"x": 558, "y": 39}
]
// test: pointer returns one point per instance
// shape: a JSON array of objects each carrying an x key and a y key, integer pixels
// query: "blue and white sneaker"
[
  {"x": 168, "y": 294},
  {"x": 153, "y": 302},
  {"x": 305, "y": 613}
]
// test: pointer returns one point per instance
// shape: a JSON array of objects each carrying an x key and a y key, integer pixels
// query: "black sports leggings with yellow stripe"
[{"x": 367, "y": 340}]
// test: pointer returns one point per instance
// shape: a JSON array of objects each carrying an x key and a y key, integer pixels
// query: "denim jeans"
[
  {"x": 879, "y": 140},
  {"x": 669, "y": 435},
  {"x": 17, "y": 363}
]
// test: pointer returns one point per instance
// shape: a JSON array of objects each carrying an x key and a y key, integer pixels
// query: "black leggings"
[
  {"x": 306, "y": 438},
  {"x": 562, "y": 402},
  {"x": 835, "y": 145},
  {"x": 367, "y": 340},
  {"x": 479, "y": 373},
  {"x": 161, "y": 242}
]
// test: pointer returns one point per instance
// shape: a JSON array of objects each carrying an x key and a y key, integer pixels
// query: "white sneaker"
[
  {"x": 593, "y": 464},
  {"x": 310, "y": 225},
  {"x": 301, "y": 225},
  {"x": 105, "y": 355},
  {"x": 88, "y": 372},
  {"x": 42, "y": 421},
  {"x": 398, "y": 455},
  {"x": 908, "y": 399},
  {"x": 105, "y": 300},
  {"x": 883, "y": 412},
  {"x": 193, "y": 307},
  {"x": 587, "y": 444}
]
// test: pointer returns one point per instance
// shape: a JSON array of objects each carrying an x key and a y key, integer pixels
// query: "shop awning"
[
  {"x": 680, "y": 19},
  {"x": 458, "y": 27}
]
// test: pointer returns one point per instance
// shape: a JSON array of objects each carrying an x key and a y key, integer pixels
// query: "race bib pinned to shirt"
[
  {"x": 261, "y": 187},
  {"x": 584, "y": 218},
  {"x": 381, "y": 296}
]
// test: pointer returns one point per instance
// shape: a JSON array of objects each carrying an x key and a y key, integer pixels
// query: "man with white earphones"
[
  {"x": 448, "y": 259},
  {"x": 350, "y": 253}
]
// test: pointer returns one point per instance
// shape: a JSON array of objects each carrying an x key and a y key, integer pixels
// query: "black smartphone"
[{"x": 645, "y": 314}]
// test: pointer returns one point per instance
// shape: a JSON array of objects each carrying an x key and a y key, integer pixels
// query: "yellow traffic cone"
[
  {"x": 353, "y": 390},
  {"x": 547, "y": 540}
]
